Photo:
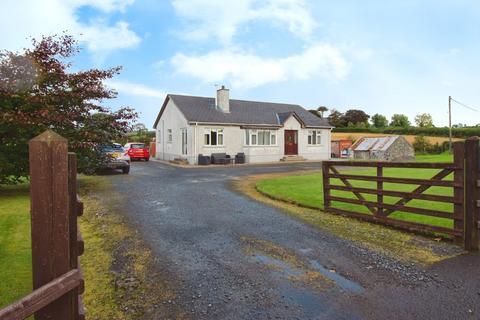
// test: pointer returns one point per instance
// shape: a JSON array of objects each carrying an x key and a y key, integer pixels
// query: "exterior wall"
[
  {"x": 400, "y": 150},
  {"x": 234, "y": 140},
  {"x": 173, "y": 119},
  {"x": 309, "y": 152}
]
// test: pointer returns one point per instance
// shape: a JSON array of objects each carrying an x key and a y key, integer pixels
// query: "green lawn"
[
  {"x": 15, "y": 252},
  {"x": 308, "y": 190}
]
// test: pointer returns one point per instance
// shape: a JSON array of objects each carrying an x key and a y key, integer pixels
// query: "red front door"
[{"x": 291, "y": 145}]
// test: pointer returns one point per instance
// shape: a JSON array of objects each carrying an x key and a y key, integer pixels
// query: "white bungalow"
[{"x": 187, "y": 126}]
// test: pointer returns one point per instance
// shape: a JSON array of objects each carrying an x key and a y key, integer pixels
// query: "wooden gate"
[
  {"x": 56, "y": 241},
  {"x": 465, "y": 197}
]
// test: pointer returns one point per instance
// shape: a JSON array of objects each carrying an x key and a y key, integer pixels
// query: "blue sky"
[{"x": 381, "y": 56}]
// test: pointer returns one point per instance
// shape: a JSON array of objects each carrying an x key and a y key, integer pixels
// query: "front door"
[{"x": 291, "y": 144}]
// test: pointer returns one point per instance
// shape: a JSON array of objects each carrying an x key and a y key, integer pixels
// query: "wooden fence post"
[
  {"x": 472, "y": 169},
  {"x": 326, "y": 186},
  {"x": 459, "y": 192},
  {"x": 380, "y": 195},
  {"x": 48, "y": 156}
]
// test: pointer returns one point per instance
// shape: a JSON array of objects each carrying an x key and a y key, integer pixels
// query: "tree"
[
  {"x": 379, "y": 121},
  {"x": 424, "y": 120},
  {"x": 39, "y": 91},
  {"x": 337, "y": 119},
  {"x": 357, "y": 117},
  {"x": 400, "y": 120},
  {"x": 322, "y": 110}
]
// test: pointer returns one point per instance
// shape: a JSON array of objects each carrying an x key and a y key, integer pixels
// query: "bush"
[{"x": 422, "y": 145}]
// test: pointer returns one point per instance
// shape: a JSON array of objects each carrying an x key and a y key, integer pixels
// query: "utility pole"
[{"x": 450, "y": 123}]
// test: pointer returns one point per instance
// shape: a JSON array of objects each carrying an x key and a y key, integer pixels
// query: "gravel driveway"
[{"x": 234, "y": 258}]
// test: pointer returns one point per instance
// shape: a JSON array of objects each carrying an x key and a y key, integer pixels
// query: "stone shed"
[{"x": 388, "y": 148}]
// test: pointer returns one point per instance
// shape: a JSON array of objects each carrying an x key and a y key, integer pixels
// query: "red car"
[{"x": 137, "y": 151}]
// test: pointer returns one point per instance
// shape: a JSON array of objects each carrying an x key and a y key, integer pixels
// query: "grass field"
[
  {"x": 307, "y": 189},
  {"x": 15, "y": 252},
  {"x": 410, "y": 138}
]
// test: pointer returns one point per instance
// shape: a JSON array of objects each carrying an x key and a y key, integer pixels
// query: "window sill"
[
  {"x": 208, "y": 146},
  {"x": 260, "y": 146}
]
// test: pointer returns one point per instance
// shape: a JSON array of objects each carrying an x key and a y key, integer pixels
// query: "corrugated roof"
[
  {"x": 374, "y": 143},
  {"x": 202, "y": 109}
]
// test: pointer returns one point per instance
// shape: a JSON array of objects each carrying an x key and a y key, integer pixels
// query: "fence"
[
  {"x": 465, "y": 199},
  {"x": 56, "y": 241}
]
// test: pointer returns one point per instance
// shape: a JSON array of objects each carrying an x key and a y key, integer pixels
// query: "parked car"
[
  {"x": 137, "y": 151},
  {"x": 117, "y": 157}
]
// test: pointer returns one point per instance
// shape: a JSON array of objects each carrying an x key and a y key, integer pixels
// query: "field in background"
[{"x": 410, "y": 138}]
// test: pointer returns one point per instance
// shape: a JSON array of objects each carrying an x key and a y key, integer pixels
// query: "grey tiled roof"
[{"x": 202, "y": 109}]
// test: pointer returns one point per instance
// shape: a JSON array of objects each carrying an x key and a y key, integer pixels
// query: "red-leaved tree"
[{"x": 39, "y": 90}]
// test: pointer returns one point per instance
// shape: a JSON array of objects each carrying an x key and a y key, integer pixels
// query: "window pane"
[
  {"x": 254, "y": 139},
  {"x": 207, "y": 139},
  {"x": 314, "y": 138},
  {"x": 273, "y": 139},
  {"x": 213, "y": 138},
  {"x": 309, "y": 138},
  {"x": 261, "y": 138},
  {"x": 247, "y": 137},
  {"x": 267, "y": 138},
  {"x": 220, "y": 139},
  {"x": 319, "y": 138}
]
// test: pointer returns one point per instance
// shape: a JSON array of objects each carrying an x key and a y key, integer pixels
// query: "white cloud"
[
  {"x": 135, "y": 89},
  {"x": 21, "y": 20},
  {"x": 222, "y": 20},
  {"x": 245, "y": 70}
]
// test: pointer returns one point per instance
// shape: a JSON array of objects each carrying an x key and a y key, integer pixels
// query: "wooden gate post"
[
  {"x": 472, "y": 193},
  {"x": 459, "y": 190},
  {"x": 48, "y": 156}
]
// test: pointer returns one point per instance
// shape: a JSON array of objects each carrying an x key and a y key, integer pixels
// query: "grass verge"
[
  {"x": 121, "y": 280},
  {"x": 396, "y": 244},
  {"x": 15, "y": 244}
]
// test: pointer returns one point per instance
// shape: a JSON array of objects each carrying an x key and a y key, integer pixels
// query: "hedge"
[{"x": 417, "y": 131}]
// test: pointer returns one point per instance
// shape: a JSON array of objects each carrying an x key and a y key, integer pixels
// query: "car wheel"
[
  {"x": 146, "y": 159},
  {"x": 126, "y": 170}
]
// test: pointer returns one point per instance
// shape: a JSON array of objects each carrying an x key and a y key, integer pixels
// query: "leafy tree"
[
  {"x": 424, "y": 120},
  {"x": 337, "y": 119},
  {"x": 321, "y": 110},
  {"x": 39, "y": 91},
  {"x": 357, "y": 117},
  {"x": 400, "y": 120},
  {"x": 379, "y": 121}
]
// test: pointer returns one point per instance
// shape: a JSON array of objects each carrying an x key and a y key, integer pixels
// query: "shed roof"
[{"x": 374, "y": 143}]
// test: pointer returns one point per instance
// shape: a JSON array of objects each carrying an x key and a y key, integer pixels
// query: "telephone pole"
[{"x": 450, "y": 123}]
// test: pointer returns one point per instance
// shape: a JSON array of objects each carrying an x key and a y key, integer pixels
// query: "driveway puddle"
[
  {"x": 278, "y": 265},
  {"x": 340, "y": 281}
]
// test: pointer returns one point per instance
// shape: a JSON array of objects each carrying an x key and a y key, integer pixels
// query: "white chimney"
[{"x": 223, "y": 99}]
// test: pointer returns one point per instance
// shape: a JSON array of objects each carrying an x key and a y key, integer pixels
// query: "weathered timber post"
[
  {"x": 380, "y": 190},
  {"x": 326, "y": 186},
  {"x": 459, "y": 190},
  {"x": 472, "y": 193},
  {"x": 49, "y": 192}
]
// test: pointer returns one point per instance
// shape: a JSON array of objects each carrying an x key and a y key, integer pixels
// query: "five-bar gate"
[{"x": 465, "y": 198}]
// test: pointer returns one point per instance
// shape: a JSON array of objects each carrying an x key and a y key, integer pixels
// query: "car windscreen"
[
  {"x": 138, "y": 146},
  {"x": 113, "y": 148}
]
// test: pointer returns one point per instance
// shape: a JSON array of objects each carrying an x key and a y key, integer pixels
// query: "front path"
[{"x": 234, "y": 258}]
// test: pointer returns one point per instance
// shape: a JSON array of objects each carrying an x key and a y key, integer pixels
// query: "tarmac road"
[{"x": 235, "y": 258}]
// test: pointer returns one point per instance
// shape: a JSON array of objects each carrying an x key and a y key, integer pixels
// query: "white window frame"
[
  {"x": 169, "y": 135},
  {"x": 252, "y": 137},
  {"x": 208, "y": 133},
  {"x": 314, "y": 138}
]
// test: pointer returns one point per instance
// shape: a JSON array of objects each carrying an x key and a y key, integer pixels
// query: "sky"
[{"x": 381, "y": 56}]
